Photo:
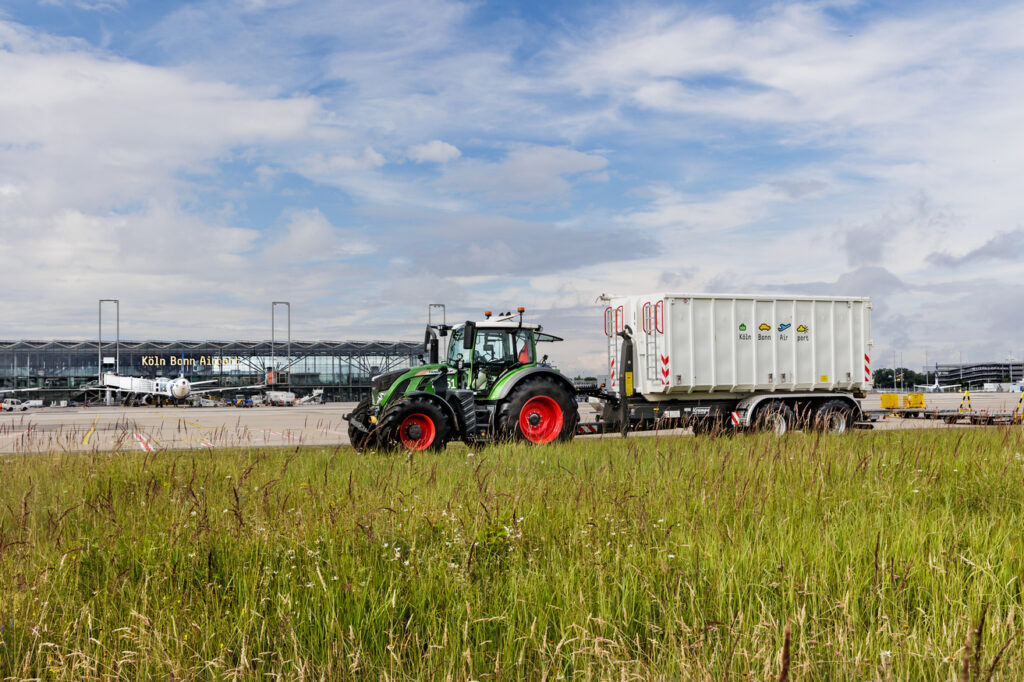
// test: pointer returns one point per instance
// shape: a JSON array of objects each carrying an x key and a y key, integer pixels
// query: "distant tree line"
[{"x": 907, "y": 378}]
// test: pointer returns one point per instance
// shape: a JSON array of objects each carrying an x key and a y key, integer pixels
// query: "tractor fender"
[
  {"x": 506, "y": 386},
  {"x": 437, "y": 400}
]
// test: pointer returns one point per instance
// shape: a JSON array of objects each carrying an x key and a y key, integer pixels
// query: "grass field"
[{"x": 649, "y": 558}]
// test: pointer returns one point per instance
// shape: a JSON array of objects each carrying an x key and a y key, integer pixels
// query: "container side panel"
[
  {"x": 746, "y": 340},
  {"x": 842, "y": 344},
  {"x": 764, "y": 348},
  {"x": 785, "y": 342},
  {"x": 802, "y": 322},
  {"x": 821, "y": 336},
  {"x": 702, "y": 348},
  {"x": 678, "y": 317},
  {"x": 725, "y": 332}
]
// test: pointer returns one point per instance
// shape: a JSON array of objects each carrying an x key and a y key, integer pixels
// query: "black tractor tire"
[
  {"x": 362, "y": 440},
  {"x": 774, "y": 417},
  {"x": 539, "y": 403},
  {"x": 414, "y": 424},
  {"x": 833, "y": 416}
]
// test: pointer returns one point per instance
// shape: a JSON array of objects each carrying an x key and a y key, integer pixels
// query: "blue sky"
[{"x": 198, "y": 160}]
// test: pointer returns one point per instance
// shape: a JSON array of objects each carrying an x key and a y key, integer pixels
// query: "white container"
[{"x": 704, "y": 344}]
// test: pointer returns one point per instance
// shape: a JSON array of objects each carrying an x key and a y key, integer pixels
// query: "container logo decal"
[
  {"x": 743, "y": 327},
  {"x": 784, "y": 326},
  {"x": 744, "y": 335},
  {"x": 803, "y": 329},
  {"x": 765, "y": 327}
]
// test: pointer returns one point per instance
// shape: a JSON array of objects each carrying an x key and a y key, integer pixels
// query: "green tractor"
[{"x": 489, "y": 386}]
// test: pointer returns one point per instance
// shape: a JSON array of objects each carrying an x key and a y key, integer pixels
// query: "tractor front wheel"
[
  {"x": 415, "y": 424},
  {"x": 362, "y": 440},
  {"x": 539, "y": 411}
]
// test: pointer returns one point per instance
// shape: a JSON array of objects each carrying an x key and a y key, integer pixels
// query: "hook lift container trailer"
[{"x": 714, "y": 362}]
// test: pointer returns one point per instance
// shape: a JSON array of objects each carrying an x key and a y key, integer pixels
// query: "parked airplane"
[
  {"x": 935, "y": 388},
  {"x": 174, "y": 388}
]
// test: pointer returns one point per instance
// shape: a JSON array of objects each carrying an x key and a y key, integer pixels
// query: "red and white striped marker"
[
  {"x": 867, "y": 368},
  {"x": 143, "y": 443},
  {"x": 586, "y": 428},
  {"x": 735, "y": 416}
]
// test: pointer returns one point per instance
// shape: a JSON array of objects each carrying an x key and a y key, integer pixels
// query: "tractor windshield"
[{"x": 455, "y": 346}]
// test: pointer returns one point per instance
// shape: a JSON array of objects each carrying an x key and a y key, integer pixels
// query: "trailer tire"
[
  {"x": 775, "y": 416},
  {"x": 415, "y": 424},
  {"x": 833, "y": 416},
  {"x": 539, "y": 410}
]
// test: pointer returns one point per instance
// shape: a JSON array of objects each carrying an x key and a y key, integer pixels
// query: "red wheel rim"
[
  {"x": 427, "y": 432},
  {"x": 540, "y": 419}
]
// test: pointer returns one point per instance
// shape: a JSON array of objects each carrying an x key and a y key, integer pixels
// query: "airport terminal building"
[
  {"x": 977, "y": 374},
  {"x": 70, "y": 370}
]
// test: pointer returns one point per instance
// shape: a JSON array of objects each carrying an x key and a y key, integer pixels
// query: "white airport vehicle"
[
  {"x": 317, "y": 396},
  {"x": 279, "y": 398},
  {"x": 13, "y": 405},
  {"x": 736, "y": 360}
]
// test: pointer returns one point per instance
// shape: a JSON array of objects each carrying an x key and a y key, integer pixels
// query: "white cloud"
[
  {"x": 435, "y": 151},
  {"x": 308, "y": 237},
  {"x": 528, "y": 173}
]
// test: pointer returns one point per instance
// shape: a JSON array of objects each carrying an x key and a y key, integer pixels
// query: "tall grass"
[{"x": 877, "y": 555}]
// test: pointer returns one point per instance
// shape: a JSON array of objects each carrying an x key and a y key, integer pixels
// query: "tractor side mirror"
[{"x": 469, "y": 335}]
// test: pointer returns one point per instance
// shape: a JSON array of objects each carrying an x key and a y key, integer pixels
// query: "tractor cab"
[{"x": 483, "y": 352}]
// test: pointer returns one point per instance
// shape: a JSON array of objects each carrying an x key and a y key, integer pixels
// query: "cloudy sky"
[{"x": 199, "y": 160}]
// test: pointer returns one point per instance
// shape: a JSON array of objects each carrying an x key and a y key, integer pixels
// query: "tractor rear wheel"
[
  {"x": 362, "y": 440},
  {"x": 415, "y": 424},
  {"x": 539, "y": 410}
]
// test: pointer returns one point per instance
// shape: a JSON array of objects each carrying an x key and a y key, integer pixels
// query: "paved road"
[{"x": 148, "y": 428}]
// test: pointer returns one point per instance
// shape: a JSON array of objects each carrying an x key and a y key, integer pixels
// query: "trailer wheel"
[
  {"x": 362, "y": 440},
  {"x": 415, "y": 424},
  {"x": 834, "y": 416},
  {"x": 539, "y": 410},
  {"x": 775, "y": 417}
]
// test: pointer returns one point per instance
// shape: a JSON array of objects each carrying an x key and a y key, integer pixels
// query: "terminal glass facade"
[{"x": 67, "y": 369}]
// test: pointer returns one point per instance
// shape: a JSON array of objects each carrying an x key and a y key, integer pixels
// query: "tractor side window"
[
  {"x": 493, "y": 346},
  {"x": 522, "y": 347},
  {"x": 455, "y": 347}
]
